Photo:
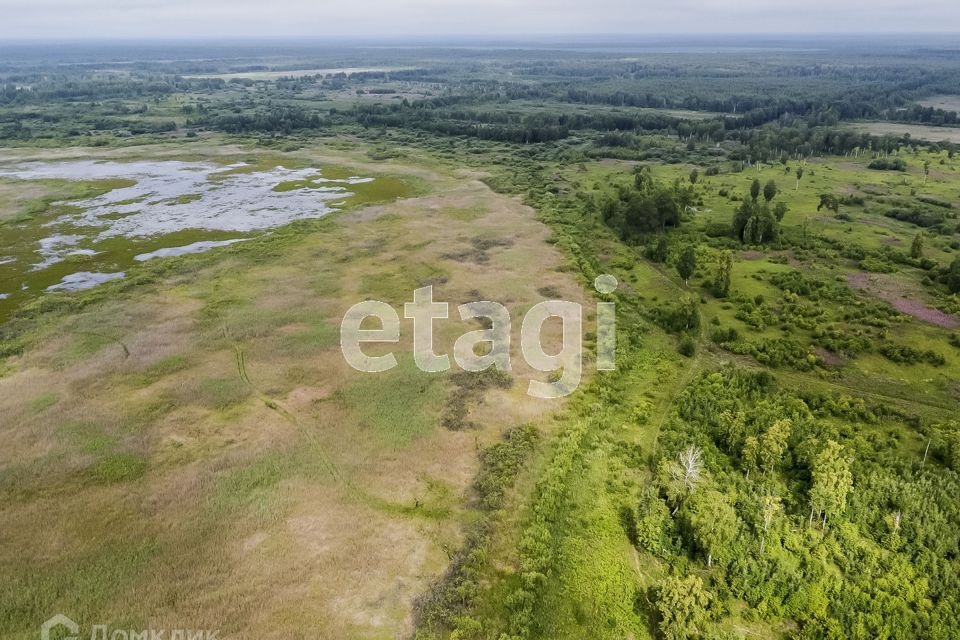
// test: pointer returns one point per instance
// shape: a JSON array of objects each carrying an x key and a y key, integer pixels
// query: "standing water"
[{"x": 170, "y": 208}]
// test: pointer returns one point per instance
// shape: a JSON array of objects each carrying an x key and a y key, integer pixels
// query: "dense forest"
[{"x": 786, "y": 106}]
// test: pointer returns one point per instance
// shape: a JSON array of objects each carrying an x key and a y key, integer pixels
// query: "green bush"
[
  {"x": 905, "y": 354},
  {"x": 688, "y": 346}
]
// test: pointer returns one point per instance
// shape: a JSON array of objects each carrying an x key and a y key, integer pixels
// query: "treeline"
[
  {"x": 924, "y": 115},
  {"x": 45, "y": 89},
  {"x": 277, "y": 119},
  {"x": 449, "y": 115},
  {"x": 26, "y": 126},
  {"x": 486, "y": 125},
  {"x": 748, "y": 109},
  {"x": 765, "y": 93},
  {"x": 792, "y": 137}
]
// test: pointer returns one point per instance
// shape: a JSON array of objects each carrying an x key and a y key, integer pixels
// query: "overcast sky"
[{"x": 187, "y": 18}]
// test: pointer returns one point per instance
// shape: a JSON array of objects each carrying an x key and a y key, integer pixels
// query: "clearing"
[{"x": 918, "y": 131}]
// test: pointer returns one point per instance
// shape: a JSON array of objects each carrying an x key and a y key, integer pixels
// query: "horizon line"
[{"x": 446, "y": 38}]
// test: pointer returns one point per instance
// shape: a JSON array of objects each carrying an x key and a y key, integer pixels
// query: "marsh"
[{"x": 148, "y": 209}]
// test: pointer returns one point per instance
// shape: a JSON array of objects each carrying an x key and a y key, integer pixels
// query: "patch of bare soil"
[
  {"x": 774, "y": 256},
  {"x": 479, "y": 251},
  {"x": 829, "y": 358},
  {"x": 892, "y": 293}
]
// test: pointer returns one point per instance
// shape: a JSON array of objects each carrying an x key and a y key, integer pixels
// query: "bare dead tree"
[{"x": 688, "y": 471}]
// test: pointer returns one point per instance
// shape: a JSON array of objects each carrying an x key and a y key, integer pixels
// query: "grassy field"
[
  {"x": 197, "y": 450},
  {"x": 945, "y": 102},
  {"x": 917, "y": 131}
]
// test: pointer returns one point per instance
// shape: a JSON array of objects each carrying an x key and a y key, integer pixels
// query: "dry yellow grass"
[
  {"x": 173, "y": 494},
  {"x": 918, "y": 131}
]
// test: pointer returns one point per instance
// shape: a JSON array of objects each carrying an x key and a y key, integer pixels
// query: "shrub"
[
  {"x": 904, "y": 354},
  {"x": 468, "y": 388},
  {"x": 877, "y": 265},
  {"x": 888, "y": 164},
  {"x": 680, "y": 317},
  {"x": 721, "y": 336},
  {"x": 776, "y": 352},
  {"x": 688, "y": 346}
]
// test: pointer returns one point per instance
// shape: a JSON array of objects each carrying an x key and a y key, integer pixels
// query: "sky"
[{"x": 122, "y": 19}]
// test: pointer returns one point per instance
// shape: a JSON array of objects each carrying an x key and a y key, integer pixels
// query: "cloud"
[{"x": 151, "y": 18}]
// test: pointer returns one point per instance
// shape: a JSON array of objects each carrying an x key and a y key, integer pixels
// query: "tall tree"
[
  {"x": 687, "y": 264},
  {"x": 721, "y": 284},
  {"x": 755, "y": 190},
  {"x": 770, "y": 191},
  {"x": 687, "y": 313},
  {"x": 771, "y": 506},
  {"x": 916, "y": 248},
  {"x": 650, "y": 206},
  {"x": 680, "y": 478},
  {"x": 652, "y": 518},
  {"x": 713, "y": 522},
  {"x": 773, "y": 444},
  {"x": 832, "y": 481},
  {"x": 799, "y": 175},
  {"x": 660, "y": 251},
  {"x": 754, "y": 223}
]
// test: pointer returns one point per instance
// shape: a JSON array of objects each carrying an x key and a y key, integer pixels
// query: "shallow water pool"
[{"x": 163, "y": 208}]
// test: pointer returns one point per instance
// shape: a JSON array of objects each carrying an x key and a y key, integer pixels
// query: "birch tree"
[{"x": 832, "y": 481}]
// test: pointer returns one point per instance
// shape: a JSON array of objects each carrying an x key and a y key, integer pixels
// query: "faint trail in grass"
[
  {"x": 242, "y": 365},
  {"x": 697, "y": 363},
  {"x": 126, "y": 351},
  {"x": 326, "y": 460},
  {"x": 678, "y": 387}
]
